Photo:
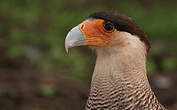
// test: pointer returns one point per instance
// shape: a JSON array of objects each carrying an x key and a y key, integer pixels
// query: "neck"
[{"x": 119, "y": 81}]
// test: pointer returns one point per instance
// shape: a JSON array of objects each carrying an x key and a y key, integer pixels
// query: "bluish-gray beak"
[{"x": 74, "y": 38}]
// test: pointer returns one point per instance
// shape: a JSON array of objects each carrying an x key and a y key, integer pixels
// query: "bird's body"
[
  {"x": 119, "y": 80},
  {"x": 121, "y": 85}
]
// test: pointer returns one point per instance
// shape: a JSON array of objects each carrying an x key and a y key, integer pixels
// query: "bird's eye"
[{"x": 108, "y": 26}]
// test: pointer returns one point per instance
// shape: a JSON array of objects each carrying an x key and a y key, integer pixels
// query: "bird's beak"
[{"x": 74, "y": 38}]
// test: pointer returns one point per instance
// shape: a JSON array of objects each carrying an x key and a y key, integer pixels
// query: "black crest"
[{"x": 123, "y": 23}]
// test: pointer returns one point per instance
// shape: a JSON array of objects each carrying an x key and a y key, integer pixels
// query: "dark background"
[{"x": 37, "y": 74}]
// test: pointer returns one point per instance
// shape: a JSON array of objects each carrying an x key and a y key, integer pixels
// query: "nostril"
[{"x": 82, "y": 26}]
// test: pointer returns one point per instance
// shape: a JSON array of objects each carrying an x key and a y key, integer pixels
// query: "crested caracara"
[{"x": 119, "y": 80}]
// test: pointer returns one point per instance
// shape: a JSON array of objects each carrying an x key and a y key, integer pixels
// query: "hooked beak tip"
[{"x": 66, "y": 48}]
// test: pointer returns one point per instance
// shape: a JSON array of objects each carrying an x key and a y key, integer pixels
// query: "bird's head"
[{"x": 106, "y": 29}]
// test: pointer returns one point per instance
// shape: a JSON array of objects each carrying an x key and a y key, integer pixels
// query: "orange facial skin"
[{"x": 95, "y": 34}]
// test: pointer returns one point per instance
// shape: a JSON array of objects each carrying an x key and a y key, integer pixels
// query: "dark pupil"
[{"x": 108, "y": 26}]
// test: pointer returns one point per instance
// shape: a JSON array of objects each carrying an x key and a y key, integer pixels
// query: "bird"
[{"x": 119, "y": 80}]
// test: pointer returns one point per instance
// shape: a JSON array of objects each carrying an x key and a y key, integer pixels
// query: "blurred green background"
[{"x": 37, "y": 74}]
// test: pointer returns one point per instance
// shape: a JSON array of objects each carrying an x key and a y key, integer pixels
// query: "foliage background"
[{"x": 37, "y": 74}]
